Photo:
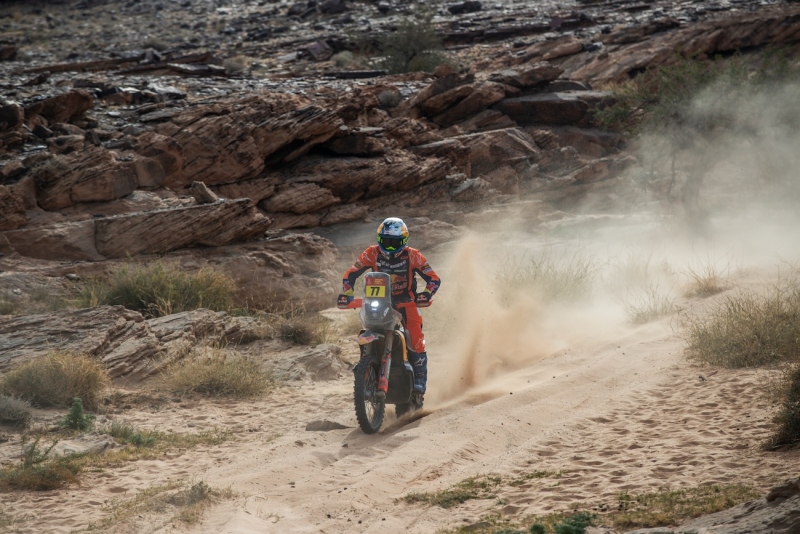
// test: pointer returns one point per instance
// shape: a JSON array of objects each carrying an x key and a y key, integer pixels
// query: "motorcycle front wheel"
[{"x": 369, "y": 408}]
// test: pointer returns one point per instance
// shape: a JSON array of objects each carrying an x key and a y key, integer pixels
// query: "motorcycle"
[{"x": 383, "y": 375}]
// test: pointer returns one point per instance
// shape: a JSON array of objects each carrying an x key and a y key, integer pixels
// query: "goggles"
[{"x": 392, "y": 243}]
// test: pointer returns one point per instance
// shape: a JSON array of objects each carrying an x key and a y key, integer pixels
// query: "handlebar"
[{"x": 356, "y": 304}]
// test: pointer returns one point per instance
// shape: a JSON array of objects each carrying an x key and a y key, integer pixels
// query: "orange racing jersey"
[{"x": 402, "y": 267}]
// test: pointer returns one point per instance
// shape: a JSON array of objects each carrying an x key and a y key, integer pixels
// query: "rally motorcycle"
[{"x": 383, "y": 375}]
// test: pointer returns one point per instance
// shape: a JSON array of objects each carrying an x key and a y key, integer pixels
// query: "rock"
[
  {"x": 778, "y": 513},
  {"x": 452, "y": 149},
  {"x": 351, "y": 179},
  {"x": 202, "y": 194},
  {"x": 128, "y": 345},
  {"x": 92, "y": 175},
  {"x": 537, "y": 75},
  {"x": 554, "y": 109},
  {"x": 481, "y": 98},
  {"x": 161, "y": 231},
  {"x": 63, "y": 241},
  {"x": 359, "y": 142},
  {"x": 12, "y": 209},
  {"x": 591, "y": 142},
  {"x": 11, "y": 116},
  {"x": 288, "y": 271},
  {"x": 299, "y": 199},
  {"x": 564, "y": 49},
  {"x": 437, "y": 104},
  {"x": 62, "y": 108},
  {"x": 165, "y": 151},
  {"x": 470, "y": 6},
  {"x": 8, "y": 52},
  {"x": 324, "y": 426},
  {"x": 494, "y": 149},
  {"x": 137, "y": 201},
  {"x": 83, "y": 444},
  {"x": 470, "y": 189},
  {"x": 226, "y": 144},
  {"x": 342, "y": 214},
  {"x": 12, "y": 170},
  {"x": 332, "y": 7},
  {"x": 256, "y": 190},
  {"x": 489, "y": 119},
  {"x": 320, "y": 51},
  {"x": 321, "y": 362},
  {"x": 560, "y": 86}
]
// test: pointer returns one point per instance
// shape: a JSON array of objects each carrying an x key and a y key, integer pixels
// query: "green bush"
[
  {"x": 413, "y": 46},
  {"x": 77, "y": 419},
  {"x": 161, "y": 288},
  {"x": 56, "y": 379}
]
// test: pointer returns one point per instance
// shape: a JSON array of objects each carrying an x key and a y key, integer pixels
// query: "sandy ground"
[{"x": 625, "y": 415}]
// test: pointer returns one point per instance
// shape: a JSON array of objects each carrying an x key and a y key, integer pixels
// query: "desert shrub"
[
  {"x": 706, "y": 281},
  {"x": 413, "y": 46},
  {"x": 8, "y": 304},
  {"x": 648, "y": 305},
  {"x": 788, "y": 417},
  {"x": 14, "y": 411},
  {"x": 39, "y": 472},
  {"x": 212, "y": 372},
  {"x": 161, "y": 288},
  {"x": 343, "y": 59},
  {"x": 479, "y": 487},
  {"x": 550, "y": 275},
  {"x": 77, "y": 419},
  {"x": 389, "y": 98},
  {"x": 747, "y": 329},
  {"x": 56, "y": 379},
  {"x": 236, "y": 64},
  {"x": 125, "y": 432}
]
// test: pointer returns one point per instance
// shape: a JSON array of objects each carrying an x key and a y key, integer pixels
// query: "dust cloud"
[{"x": 643, "y": 256}]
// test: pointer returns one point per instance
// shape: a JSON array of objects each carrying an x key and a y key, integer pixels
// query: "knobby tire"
[{"x": 366, "y": 383}]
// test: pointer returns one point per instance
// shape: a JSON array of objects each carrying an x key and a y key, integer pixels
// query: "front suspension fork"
[{"x": 386, "y": 363}]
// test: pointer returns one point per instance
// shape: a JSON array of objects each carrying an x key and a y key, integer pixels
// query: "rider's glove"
[
  {"x": 344, "y": 300},
  {"x": 423, "y": 299}
]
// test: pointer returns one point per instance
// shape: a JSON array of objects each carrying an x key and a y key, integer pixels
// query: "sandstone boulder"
[
  {"x": 161, "y": 231},
  {"x": 11, "y": 116},
  {"x": 318, "y": 363},
  {"x": 91, "y": 175},
  {"x": 537, "y": 75},
  {"x": 300, "y": 199},
  {"x": 481, "y": 98},
  {"x": 62, "y": 241},
  {"x": 351, "y": 179},
  {"x": 256, "y": 190},
  {"x": 61, "y": 108},
  {"x": 130, "y": 347},
  {"x": 232, "y": 142},
  {"x": 555, "y": 109},
  {"x": 497, "y": 148}
]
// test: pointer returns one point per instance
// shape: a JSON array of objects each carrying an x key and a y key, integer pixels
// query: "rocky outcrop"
[
  {"x": 777, "y": 513},
  {"x": 554, "y": 109},
  {"x": 61, "y": 108},
  {"x": 128, "y": 345},
  {"x": 322, "y": 362},
  {"x": 148, "y": 232},
  {"x": 222, "y": 144},
  {"x": 12, "y": 210}
]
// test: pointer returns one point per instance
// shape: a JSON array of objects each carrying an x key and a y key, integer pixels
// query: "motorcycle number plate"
[{"x": 376, "y": 291}]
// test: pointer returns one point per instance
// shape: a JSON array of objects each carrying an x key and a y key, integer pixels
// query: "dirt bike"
[{"x": 383, "y": 375}]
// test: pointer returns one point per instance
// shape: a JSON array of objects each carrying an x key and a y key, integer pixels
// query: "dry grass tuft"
[
  {"x": 56, "y": 379},
  {"x": 479, "y": 487},
  {"x": 706, "y": 282},
  {"x": 38, "y": 472},
  {"x": 747, "y": 329},
  {"x": 161, "y": 288},
  {"x": 648, "y": 305},
  {"x": 788, "y": 416},
  {"x": 551, "y": 276},
  {"x": 185, "y": 502},
  {"x": 15, "y": 411},
  {"x": 211, "y": 371}
]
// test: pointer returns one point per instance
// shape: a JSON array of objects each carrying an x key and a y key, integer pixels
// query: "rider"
[{"x": 392, "y": 256}]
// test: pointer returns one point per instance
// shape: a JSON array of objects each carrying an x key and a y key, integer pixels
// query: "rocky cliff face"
[{"x": 179, "y": 142}]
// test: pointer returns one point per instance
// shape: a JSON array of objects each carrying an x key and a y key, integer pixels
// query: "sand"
[{"x": 626, "y": 415}]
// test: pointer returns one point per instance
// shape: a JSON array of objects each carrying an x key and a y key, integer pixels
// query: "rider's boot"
[{"x": 419, "y": 361}]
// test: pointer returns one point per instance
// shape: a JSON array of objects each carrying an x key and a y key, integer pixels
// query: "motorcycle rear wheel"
[{"x": 369, "y": 408}]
